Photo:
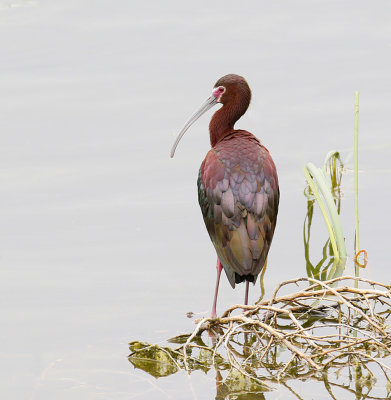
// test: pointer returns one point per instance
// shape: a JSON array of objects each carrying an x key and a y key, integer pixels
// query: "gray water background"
[{"x": 102, "y": 241}]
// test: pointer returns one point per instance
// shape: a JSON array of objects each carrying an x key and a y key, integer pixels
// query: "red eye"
[{"x": 221, "y": 89}]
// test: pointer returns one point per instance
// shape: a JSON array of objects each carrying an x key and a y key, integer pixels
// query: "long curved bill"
[{"x": 209, "y": 103}]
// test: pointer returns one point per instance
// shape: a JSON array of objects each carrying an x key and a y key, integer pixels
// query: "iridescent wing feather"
[{"x": 238, "y": 194}]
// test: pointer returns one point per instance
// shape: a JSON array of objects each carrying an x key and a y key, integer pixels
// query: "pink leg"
[
  {"x": 219, "y": 268},
  {"x": 246, "y": 295}
]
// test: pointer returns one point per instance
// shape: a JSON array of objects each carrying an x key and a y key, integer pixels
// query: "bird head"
[{"x": 230, "y": 89}]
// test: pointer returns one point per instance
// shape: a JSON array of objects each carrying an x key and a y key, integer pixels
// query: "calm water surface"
[{"x": 102, "y": 241}]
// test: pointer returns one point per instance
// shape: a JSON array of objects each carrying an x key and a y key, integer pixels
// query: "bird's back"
[{"x": 238, "y": 194}]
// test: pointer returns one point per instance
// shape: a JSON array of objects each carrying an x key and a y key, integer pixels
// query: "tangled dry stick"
[{"x": 318, "y": 327}]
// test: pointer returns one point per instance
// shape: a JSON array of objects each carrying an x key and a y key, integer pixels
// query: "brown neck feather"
[{"x": 223, "y": 120}]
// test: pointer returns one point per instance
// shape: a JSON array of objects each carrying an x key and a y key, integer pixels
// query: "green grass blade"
[
  {"x": 356, "y": 243},
  {"x": 318, "y": 174},
  {"x": 319, "y": 200}
]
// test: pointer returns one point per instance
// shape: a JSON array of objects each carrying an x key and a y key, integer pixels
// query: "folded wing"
[{"x": 238, "y": 195}]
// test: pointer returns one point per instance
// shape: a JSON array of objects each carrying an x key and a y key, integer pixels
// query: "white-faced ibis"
[{"x": 237, "y": 187}]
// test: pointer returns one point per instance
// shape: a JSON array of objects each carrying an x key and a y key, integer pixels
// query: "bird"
[{"x": 238, "y": 189}]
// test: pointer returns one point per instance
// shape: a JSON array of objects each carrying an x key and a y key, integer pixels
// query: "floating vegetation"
[{"x": 319, "y": 331}]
